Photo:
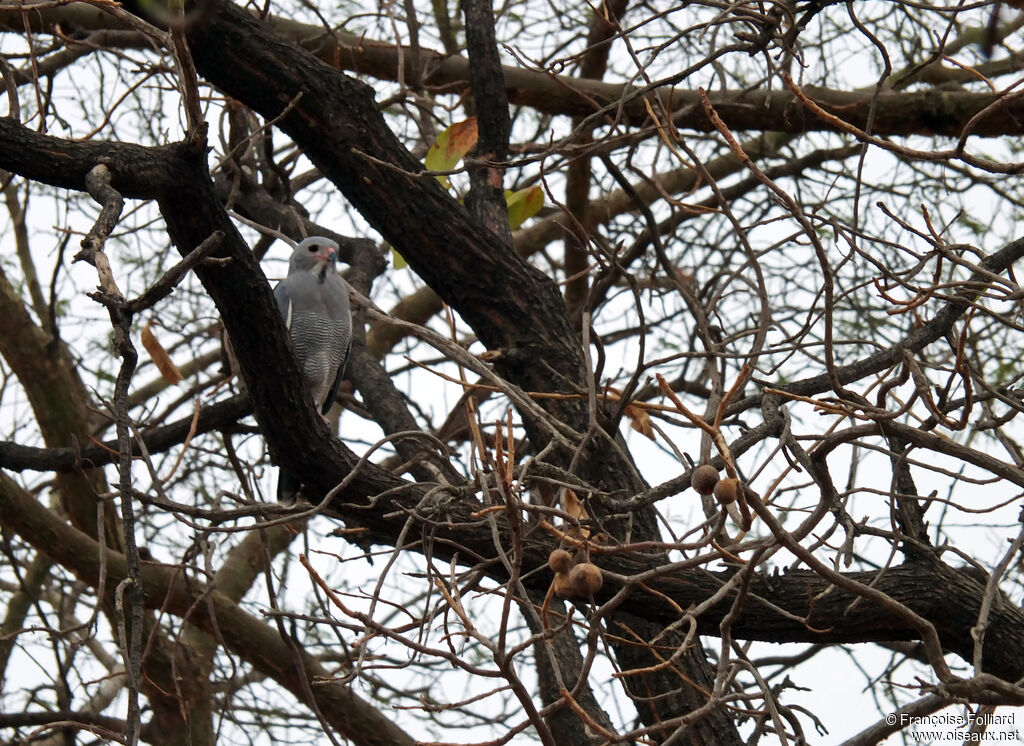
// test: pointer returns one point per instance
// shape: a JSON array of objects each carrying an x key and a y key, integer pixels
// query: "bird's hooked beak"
[{"x": 325, "y": 258}]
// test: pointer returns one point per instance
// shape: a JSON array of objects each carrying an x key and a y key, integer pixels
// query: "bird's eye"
[{"x": 313, "y": 249}]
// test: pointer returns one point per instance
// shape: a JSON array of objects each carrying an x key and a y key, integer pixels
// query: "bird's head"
[{"x": 314, "y": 253}]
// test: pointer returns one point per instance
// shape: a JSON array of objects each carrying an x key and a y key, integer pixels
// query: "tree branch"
[{"x": 926, "y": 112}]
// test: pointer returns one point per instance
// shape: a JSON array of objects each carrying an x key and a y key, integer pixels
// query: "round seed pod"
[
  {"x": 727, "y": 490},
  {"x": 704, "y": 479},
  {"x": 563, "y": 587},
  {"x": 560, "y": 560},
  {"x": 586, "y": 579}
]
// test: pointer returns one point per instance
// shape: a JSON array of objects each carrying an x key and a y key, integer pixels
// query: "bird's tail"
[{"x": 288, "y": 487}]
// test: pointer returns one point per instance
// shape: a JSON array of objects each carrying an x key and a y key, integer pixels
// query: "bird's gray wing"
[
  {"x": 337, "y": 380},
  {"x": 288, "y": 485},
  {"x": 304, "y": 318},
  {"x": 338, "y": 319},
  {"x": 284, "y": 304}
]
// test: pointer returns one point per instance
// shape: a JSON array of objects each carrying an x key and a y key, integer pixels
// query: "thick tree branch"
[
  {"x": 815, "y": 611},
  {"x": 486, "y": 199},
  {"x": 926, "y": 112},
  {"x": 604, "y": 23},
  {"x": 217, "y": 416}
]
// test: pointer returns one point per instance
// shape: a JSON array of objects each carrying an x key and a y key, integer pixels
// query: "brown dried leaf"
[
  {"x": 159, "y": 355},
  {"x": 640, "y": 420},
  {"x": 572, "y": 505}
]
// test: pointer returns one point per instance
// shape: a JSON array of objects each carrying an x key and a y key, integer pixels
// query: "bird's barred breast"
[{"x": 320, "y": 346}]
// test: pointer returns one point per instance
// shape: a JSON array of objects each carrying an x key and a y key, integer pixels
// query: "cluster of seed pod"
[
  {"x": 705, "y": 481},
  {"x": 571, "y": 581}
]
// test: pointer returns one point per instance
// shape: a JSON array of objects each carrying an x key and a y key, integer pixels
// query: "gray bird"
[{"x": 313, "y": 300}]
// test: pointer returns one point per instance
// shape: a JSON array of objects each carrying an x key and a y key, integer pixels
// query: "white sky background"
[{"x": 839, "y": 700}]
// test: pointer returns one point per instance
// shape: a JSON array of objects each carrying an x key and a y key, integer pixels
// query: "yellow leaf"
[
  {"x": 451, "y": 146},
  {"x": 523, "y": 205},
  {"x": 159, "y": 355},
  {"x": 397, "y": 260}
]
